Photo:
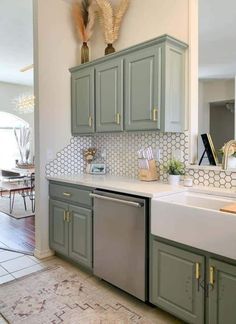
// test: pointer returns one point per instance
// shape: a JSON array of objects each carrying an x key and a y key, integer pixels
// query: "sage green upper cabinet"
[
  {"x": 143, "y": 89},
  {"x": 155, "y": 88},
  {"x": 145, "y": 83},
  {"x": 222, "y": 293},
  {"x": 109, "y": 96},
  {"x": 174, "y": 281},
  {"x": 82, "y": 101}
]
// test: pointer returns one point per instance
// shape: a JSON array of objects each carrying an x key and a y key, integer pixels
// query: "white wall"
[
  {"x": 211, "y": 91},
  {"x": 56, "y": 50},
  {"x": 9, "y": 92}
]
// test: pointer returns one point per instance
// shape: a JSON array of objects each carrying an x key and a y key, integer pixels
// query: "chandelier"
[{"x": 24, "y": 104}]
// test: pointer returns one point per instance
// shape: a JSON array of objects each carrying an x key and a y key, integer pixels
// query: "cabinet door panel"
[
  {"x": 109, "y": 96},
  {"x": 80, "y": 235},
  {"x": 174, "y": 112},
  {"x": 82, "y": 96},
  {"x": 58, "y": 235},
  {"x": 222, "y": 297},
  {"x": 142, "y": 89},
  {"x": 173, "y": 285}
]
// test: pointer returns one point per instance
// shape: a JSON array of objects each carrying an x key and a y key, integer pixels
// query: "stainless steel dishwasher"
[{"x": 120, "y": 241}]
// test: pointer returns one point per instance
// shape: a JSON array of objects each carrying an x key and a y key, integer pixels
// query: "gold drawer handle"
[
  {"x": 66, "y": 194},
  {"x": 154, "y": 114},
  {"x": 211, "y": 276},
  {"x": 197, "y": 271}
]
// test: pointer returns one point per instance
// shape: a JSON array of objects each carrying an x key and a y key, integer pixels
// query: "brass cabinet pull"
[
  {"x": 118, "y": 118},
  {"x": 90, "y": 121},
  {"x": 66, "y": 194},
  {"x": 211, "y": 276},
  {"x": 197, "y": 270},
  {"x": 154, "y": 114},
  {"x": 65, "y": 215}
]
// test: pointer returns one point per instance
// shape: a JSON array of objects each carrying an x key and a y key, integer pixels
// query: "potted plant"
[
  {"x": 174, "y": 169},
  {"x": 232, "y": 156}
]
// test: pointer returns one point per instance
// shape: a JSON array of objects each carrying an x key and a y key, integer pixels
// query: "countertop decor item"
[
  {"x": 175, "y": 169},
  {"x": 84, "y": 15},
  {"x": 147, "y": 165},
  {"x": 89, "y": 155},
  {"x": 110, "y": 20}
]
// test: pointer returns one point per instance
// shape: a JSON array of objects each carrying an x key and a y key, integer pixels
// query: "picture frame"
[
  {"x": 209, "y": 150},
  {"x": 98, "y": 168}
]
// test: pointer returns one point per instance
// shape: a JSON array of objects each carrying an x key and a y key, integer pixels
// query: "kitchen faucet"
[{"x": 226, "y": 154}]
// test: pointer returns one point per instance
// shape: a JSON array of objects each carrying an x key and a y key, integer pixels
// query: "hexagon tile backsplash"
[{"x": 121, "y": 156}]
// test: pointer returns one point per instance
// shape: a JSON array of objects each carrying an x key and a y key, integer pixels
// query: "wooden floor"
[{"x": 17, "y": 234}]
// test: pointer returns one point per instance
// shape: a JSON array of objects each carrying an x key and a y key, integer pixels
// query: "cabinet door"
[
  {"x": 222, "y": 295},
  {"x": 80, "y": 235},
  {"x": 58, "y": 227},
  {"x": 82, "y": 101},
  {"x": 109, "y": 96},
  {"x": 174, "y": 285},
  {"x": 143, "y": 89},
  {"x": 174, "y": 103}
]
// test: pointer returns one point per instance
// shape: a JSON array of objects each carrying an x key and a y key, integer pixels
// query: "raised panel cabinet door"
[
  {"x": 109, "y": 96},
  {"x": 175, "y": 282},
  {"x": 80, "y": 235},
  {"x": 143, "y": 89},
  {"x": 174, "y": 103},
  {"x": 58, "y": 227},
  {"x": 222, "y": 294},
  {"x": 82, "y": 101}
]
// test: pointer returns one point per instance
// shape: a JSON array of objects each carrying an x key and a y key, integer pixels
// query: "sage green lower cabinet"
[
  {"x": 58, "y": 228},
  {"x": 174, "y": 282},
  {"x": 222, "y": 293},
  {"x": 109, "y": 96},
  {"x": 70, "y": 229},
  {"x": 80, "y": 235}
]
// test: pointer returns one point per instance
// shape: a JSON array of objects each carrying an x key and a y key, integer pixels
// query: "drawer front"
[{"x": 76, "y": 195}]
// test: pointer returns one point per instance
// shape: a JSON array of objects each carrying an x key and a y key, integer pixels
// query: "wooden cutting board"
[{"x": 229, "y": 209}]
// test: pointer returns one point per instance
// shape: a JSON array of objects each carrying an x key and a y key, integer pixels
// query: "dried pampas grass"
[
  {"x": 84, "y": 15},
  {"x": 111, "y": 19}
]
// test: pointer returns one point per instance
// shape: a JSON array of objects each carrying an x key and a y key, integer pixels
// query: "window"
[{"x": 9, "y": 151}]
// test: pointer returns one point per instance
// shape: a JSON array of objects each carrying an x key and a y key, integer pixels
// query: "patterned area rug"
[
  {"x": 18, "y": 210},
  {"x": 68, "y": 295}
]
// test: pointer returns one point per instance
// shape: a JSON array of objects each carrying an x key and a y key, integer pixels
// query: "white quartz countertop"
[{"x": 152, "y": 189}]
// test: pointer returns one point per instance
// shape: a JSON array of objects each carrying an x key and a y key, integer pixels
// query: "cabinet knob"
[{"x": 154, "y": 114}]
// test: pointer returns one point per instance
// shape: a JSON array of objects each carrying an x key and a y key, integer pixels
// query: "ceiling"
[
  {"x": 16, "y": 46},
  {"x": 217, "y": 38},
  {"x": 217, "y": 35}
]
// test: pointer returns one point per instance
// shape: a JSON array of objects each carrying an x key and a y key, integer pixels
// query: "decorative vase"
[
  {"x": 84, "y": 53},
  {"x": 232, "y": 162},
  {"x": 173, "y": 179},
  {"x": 109, "y": 49}
]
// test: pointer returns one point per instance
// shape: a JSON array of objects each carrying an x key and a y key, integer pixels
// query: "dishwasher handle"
[{"x": 122, "y": 201}]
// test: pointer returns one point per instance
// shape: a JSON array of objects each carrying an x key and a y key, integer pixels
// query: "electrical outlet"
[{"x": 103, "y": 154}]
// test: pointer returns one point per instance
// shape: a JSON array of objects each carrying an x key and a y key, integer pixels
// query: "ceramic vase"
[{"x": 173, "y": 179}]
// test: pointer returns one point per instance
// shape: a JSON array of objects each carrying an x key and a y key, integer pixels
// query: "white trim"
[
  {"x": 43, "y": 254},
  {"x": 193, "y": 79}
]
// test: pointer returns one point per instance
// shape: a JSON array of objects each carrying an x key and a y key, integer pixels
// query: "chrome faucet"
[{"x": 226, "y": 154}]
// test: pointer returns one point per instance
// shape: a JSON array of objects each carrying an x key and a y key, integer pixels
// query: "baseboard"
[{"x": 43, "y": 254}]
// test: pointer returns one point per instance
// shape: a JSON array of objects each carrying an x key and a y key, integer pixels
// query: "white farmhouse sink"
[{"x": 194, "y": 219}]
